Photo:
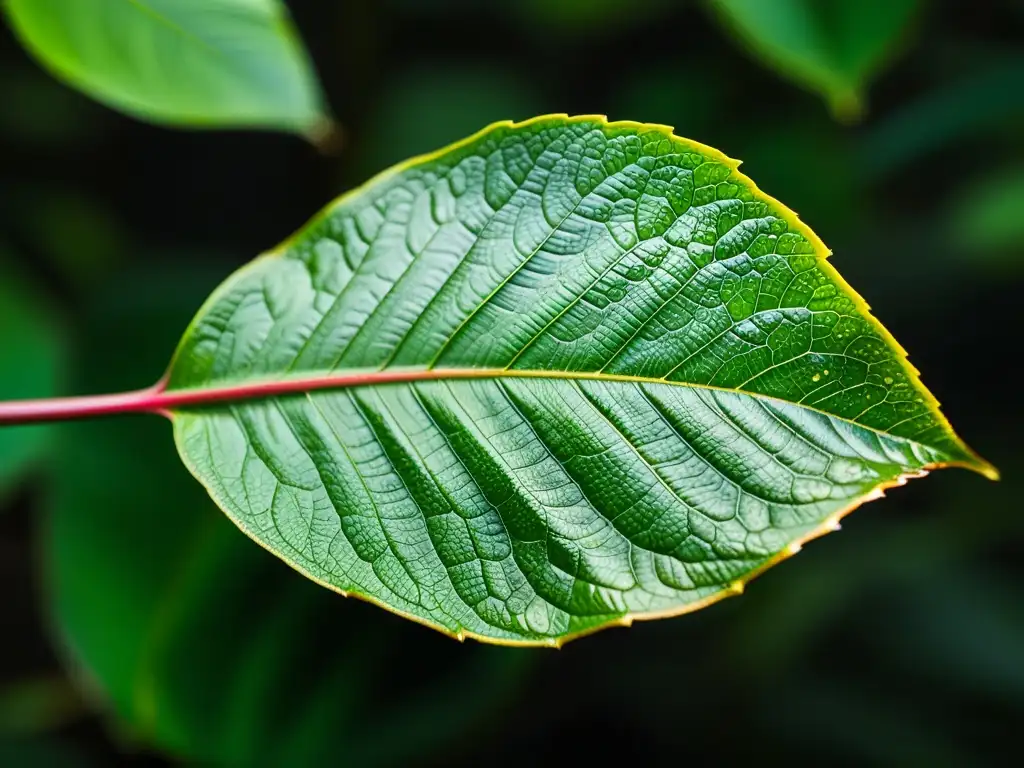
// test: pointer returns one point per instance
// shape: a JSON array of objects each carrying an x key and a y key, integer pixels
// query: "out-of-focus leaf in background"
[
  {"x": 833, "y": 47},
  {"x": 202, "y": 644},
  {"x": 979, "y": 102},
  {"x": 31, "y": 349},
  {"x": 200, "y": 63},
  {"x": 986, "y": 219}
]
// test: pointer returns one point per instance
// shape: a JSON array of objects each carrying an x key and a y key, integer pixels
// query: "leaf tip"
[
  {"x": 984, "y": 468},
  {"x": 967, "y": 458},
  {"x": 975, "y": 462}
]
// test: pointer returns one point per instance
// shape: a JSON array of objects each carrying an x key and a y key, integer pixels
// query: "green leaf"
[
  {"x": 30, "y": 360},
  {"x": 559, "y": 376},
  {"x": 832, "y": 48},
  {"x": 201, "y": 63},
  {"x": 200, "y": 644}
]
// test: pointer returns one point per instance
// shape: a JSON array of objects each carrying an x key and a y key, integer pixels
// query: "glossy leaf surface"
[
  {"x": 830, "y": 47},
  {"x": 560, "y": 376},
  {"x": 198, "y": 643},
  {"x": 206, "y": 63}
]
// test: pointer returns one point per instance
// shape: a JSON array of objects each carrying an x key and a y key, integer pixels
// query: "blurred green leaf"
[
  {"x": 31, "y": 349},
  {"x": 832, "y": 47},
  {"x": 987, "y": 218},
  {"x": 201, "y": 63},
  {"x": 201, "y": 643},
  {"x": 981, "y": 101}
]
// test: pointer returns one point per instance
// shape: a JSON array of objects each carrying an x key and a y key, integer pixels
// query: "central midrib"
[
  {"x": 183, "y": 397},
  {"x": 171, "y": 399}
]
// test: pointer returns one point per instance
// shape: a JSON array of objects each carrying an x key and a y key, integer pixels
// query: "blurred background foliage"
[{"x": 141, "y": 628}]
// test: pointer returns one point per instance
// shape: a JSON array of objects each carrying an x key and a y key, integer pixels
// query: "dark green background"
[{"x": 899, "y": 640}]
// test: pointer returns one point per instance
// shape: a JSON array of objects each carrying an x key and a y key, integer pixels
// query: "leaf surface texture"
[{"x": 631, "y": 382}]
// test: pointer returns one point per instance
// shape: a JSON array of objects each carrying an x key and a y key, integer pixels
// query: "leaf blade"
[{"x": 502, "y": 261}]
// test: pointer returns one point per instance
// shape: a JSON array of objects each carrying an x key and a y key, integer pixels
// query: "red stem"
[
  {"x": 157, "y": 399},
  {"x": 67, "y": 408}
]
